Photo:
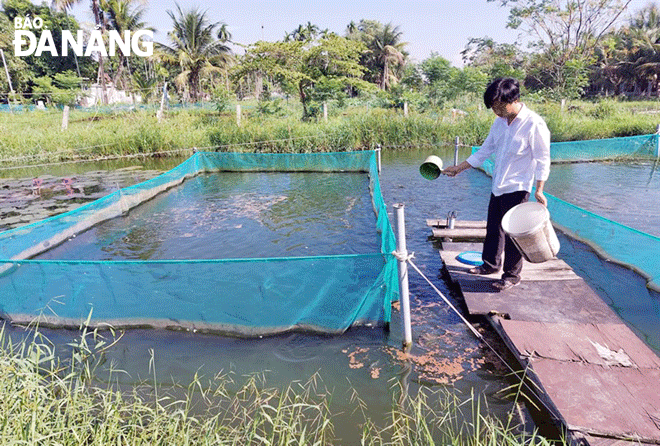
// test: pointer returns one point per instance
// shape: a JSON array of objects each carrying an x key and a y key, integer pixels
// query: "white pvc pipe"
[
  {"x": 378, "y": 158},
  {"x": 402, "y": 255}
]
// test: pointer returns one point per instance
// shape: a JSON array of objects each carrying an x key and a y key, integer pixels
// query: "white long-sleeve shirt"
[{"x": 522, "y": 152}]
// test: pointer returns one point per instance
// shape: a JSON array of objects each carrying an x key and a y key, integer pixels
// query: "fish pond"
[{"x": 363, "y": 361}]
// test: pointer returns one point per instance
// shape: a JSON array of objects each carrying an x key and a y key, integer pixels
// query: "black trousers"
[{"x": 496, "y": 239}]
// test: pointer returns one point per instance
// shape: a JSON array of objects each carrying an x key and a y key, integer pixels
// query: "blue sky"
[{"x": 440, "y": 26}]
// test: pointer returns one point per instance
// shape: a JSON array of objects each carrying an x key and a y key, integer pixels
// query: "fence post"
[
  {"x": 378, "y": 155},
  {"x": 404, "y": 295},
  {"x": 238, "y": 115},
  {"x": 457, "y": 142},
  {"x": 65, "y": 118},
  {"x": 325, "y": 112},
  {"x": 163, "y": 101},
  {"x": 405, "y": 109},
  {"x": 11, "y": 88}
]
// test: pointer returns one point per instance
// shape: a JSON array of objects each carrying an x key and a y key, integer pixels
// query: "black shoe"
[
  {"x": 505, "y": 283},
  {"x": 481, "y": 271}
]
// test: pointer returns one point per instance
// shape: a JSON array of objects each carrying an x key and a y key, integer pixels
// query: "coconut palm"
[
  {"x": 388, "y": 54},
  {"x": 96, "y": 11},
  {"x": 386, "y": 57},
  {"x": 303, "y": 33},
  {"x": 195, "y": 48},
  {"x": 124, "y": 15},
  {"x": 645, "y": 33}
]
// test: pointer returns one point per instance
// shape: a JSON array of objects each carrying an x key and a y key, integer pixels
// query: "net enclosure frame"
[
  {"x": 237, "y": 297},
  {"x": 621, "y": 244}
]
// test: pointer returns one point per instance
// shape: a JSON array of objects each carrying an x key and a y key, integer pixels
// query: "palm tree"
[
  {"x": 195, "y": 48},
  {"x": 96, "y": 11},
  {"x": 124, "y": 15},
  {"x": 386, "y": 57},
  {"x": 645, "y": 32},
  {"x": 303, "y": 33},
  {"x": 389, "y": 54}
]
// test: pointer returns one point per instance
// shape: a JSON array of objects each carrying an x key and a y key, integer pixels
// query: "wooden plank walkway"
[
  {"x": 599, "y": 378},
  {"x": 470, "y": 230}
]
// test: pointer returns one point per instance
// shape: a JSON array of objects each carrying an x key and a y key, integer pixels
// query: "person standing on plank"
[{"x": 519, "y": 139}]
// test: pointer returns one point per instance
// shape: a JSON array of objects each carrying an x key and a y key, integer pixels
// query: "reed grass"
[{"x": 53, "y": 399}]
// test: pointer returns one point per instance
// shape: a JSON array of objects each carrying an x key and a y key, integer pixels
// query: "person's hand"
[
  {"x": 451, "y": 171},
  {"x": 540, "y": 197}
]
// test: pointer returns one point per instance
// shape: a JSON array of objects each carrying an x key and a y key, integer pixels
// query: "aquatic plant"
[{"x": 49, "y": 399}]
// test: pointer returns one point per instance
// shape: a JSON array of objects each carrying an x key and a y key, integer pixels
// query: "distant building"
[{"x": 93, "y": 96}]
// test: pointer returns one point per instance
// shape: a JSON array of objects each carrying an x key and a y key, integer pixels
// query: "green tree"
[
  {"x": 495, "y": 59},
  {"x": 304, "y": 33},
  {"x": 19, "y": 70},
  {"x": 124, "y": 15},
  {"x": 195, "y": 49},
  {"x": 100, "y": 23},
  {"x": 644, "y": 33},
  {"x": 386, "y": 57},
  {"x": 323, "y": 69},
  {"x": 565, "y": 33},
  {"x": 62, "y": 89}
]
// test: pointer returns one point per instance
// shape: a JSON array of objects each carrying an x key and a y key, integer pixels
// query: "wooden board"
[
  {"x": 617, "y": 402},
  {"x": 541, "y": 301},
  {"x": 442, "y": 223},
  {"x": 603, "y": 441},
  {"x": 588, "y": 366},
  {"x": 554, "y": 269},
  {"x": 599, "y": 344},
  {"x": 549, "y": 292},
  {"x": 459, "y": 233}
]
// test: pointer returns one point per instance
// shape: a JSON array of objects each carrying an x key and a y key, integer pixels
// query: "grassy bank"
[
  {"x": 32, "y": 137},
  {"x": 47, "y": 400}
]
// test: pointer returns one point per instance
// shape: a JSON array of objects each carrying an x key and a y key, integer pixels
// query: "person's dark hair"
[{"x": 503, "y": 89}]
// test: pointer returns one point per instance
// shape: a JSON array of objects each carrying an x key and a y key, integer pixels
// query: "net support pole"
[
  {"x": 657, "y": 145},
  {"x": 402, "y": 255},
  {"x": 378, "y": 159},
  {"x": 457, "y": 142}
]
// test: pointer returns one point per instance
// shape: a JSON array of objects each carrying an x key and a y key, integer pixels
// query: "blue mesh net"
[
  {"x": 627, "y": 246},
  {"x": 240, "y": 296}
]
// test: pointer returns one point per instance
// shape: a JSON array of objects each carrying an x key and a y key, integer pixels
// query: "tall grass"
[
  {"x": 47, "y": 399},
  {"x": 36, "y": 136}
]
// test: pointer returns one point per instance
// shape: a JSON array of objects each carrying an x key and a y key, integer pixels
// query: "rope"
[
  {"x": 482, "y": 339},
  {"x": 454, "y": 309},
  {"x": 403, "y": 256}
]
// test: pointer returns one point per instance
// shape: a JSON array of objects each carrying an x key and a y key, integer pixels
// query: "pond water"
[
  {"x": 627, "y": 193},
  {"x": 239, "y": 215},
  {"x": 444, "y": 354}
]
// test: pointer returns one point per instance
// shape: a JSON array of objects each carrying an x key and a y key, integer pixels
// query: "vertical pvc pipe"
[
  {"x": 404, "y": 295},
  {"x": 378, "y": 160},
  {"x": 456, "y": 144}
]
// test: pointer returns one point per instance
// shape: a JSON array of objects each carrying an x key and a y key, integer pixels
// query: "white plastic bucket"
[
  {"x": 528, "y": 224},
  {"x": 431, "y": 167}
]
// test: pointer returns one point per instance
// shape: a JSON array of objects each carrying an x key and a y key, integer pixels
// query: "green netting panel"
[
  {"x": 627, "y": 246},
  {"x": 622, "y": 244},
  {"x": 641, "y": 146},
  {"x": 238, "y": 296}
]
